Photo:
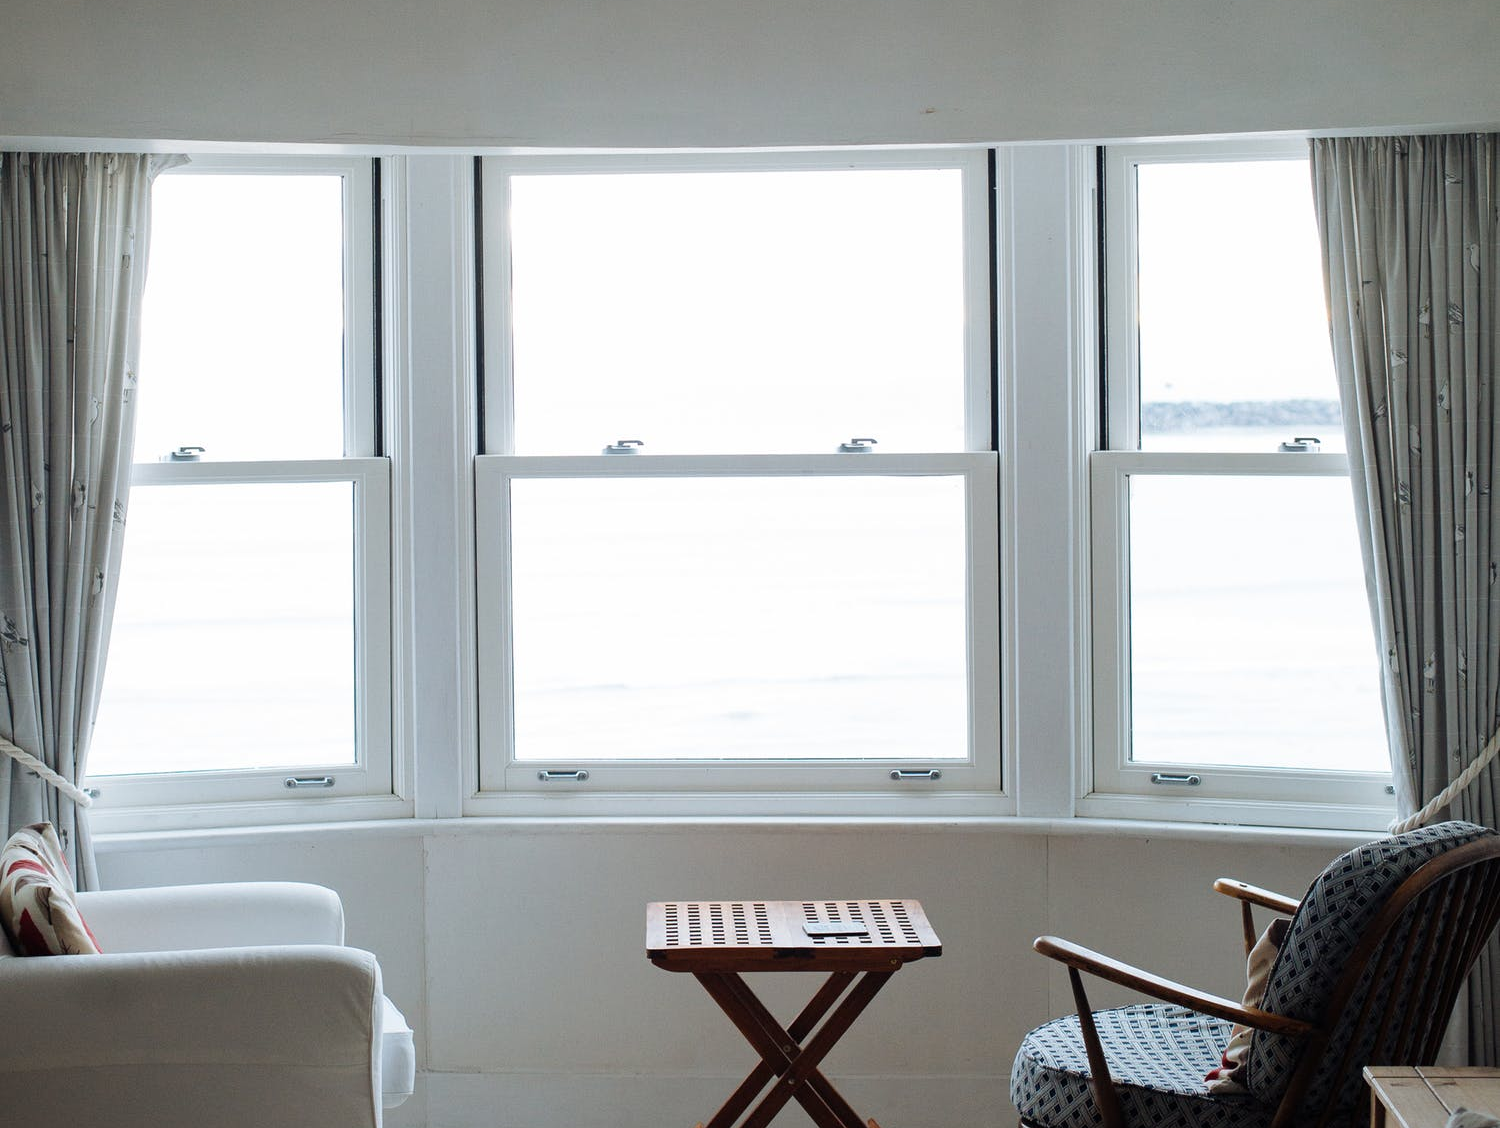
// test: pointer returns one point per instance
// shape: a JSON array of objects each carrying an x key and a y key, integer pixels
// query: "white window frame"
[
  {"x": 1119, "y": 786},
  {"x": 365, "y": 789},
  {"x": 498, "y": 781}
]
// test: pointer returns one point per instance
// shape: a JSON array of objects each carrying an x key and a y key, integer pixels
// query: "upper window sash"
[
  {"x": 496, "y": 174},
  {"x": 1122, "y": 257},
  {"x": 360, "y": 390}
]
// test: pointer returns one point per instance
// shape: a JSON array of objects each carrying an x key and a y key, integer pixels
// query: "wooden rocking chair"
[{"x": 1367, "y": 974}]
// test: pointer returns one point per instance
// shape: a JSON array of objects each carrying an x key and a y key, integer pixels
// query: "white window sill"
[{"x": 132, "y": 841}]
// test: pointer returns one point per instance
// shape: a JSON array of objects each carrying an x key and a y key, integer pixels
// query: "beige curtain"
[
  {"x": 1408, "y": 226},
  {"x": 73, "y": 239}
]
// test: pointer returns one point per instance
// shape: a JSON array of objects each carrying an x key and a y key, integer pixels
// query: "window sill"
[
  {"x": 1246, "y": 814},
  {"x": 141, "y": 840},
  {"x": 253, "y": 817}
]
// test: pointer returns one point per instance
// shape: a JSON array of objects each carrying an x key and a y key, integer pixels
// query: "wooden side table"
[
  {"x": 860, "y": 944},
  {"x": 1404, "y": 1096}
]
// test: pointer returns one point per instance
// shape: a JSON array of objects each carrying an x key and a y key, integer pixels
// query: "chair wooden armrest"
[
  {"x": 1167, "y": 990},
  {"x": 1247, "y": 895},
  {"x": 1255, "y": 895},
  {"x": 1078, "y": 958}
]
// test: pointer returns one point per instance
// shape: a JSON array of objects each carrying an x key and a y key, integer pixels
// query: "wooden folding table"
[{"x": 860, "y": 944}]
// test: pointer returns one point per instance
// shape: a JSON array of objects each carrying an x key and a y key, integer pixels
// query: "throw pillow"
[
  {"x": 1228, "y": 1078},
  {"x": 38, "y": 908}
]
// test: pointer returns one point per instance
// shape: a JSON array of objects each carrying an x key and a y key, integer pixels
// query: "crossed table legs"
[
  {"x": 783, "y": 1053},
  {"x": 861, "y": 944}
]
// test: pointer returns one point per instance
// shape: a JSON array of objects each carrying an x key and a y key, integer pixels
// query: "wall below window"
[
  {"x": 516, "y": 948},
  {"x": 723, "y": 73}
]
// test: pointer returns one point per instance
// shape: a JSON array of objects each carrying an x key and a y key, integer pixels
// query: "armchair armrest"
[
  {"x": 1168, "y": 991},
  {"x": 1248, "y": 895},
  {"x": 235, "y": 1037},
  {"x": 229, "y": 915},
  {"x": 1255, "y": 895}
]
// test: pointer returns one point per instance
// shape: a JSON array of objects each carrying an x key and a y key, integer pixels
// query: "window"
[
  {"x": 736, "y": 521},
  {"x": 250, "y": 650},
  {"x": 1234, "y": 657}
]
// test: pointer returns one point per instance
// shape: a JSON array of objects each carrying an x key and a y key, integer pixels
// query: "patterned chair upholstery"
[{"x": 1158, "y": 1054}]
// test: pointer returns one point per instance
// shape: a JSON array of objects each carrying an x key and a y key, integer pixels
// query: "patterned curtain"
[
  {"x": 73, "y": 239},
  {"x": 1408, "y": 226}
]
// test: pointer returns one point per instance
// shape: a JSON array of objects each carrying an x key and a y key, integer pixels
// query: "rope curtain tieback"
[
  {"x": 1451, "y": 792},
  {"x": 78, "y": 795}
]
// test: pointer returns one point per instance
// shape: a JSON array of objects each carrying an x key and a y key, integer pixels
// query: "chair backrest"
[{"x": 1374, "y": 958}]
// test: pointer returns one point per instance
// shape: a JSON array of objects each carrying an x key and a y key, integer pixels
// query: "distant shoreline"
[{"x": 1192, "y": 415}]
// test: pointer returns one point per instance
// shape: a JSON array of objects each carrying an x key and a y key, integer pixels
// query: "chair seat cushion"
[
  {"x": 398, "y": 1056},
  {"x": 1158, "y": 1056}
]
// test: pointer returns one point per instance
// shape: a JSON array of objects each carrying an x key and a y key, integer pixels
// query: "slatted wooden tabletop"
[
  {"x": 1403, "y": 1096},
  {"x": 719, "y": 936}
]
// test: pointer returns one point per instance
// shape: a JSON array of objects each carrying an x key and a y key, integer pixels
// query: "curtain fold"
[
  {"x": 73, "y": 241},
  {"x": 1408, "y": 226}
]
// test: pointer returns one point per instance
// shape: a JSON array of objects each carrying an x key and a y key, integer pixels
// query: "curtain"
[
  {"x": 1408, "y": 227},
  {"x": 73, "y": 240}
]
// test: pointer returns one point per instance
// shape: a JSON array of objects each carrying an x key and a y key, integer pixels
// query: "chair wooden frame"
[{"x": 1456, "y": 894}]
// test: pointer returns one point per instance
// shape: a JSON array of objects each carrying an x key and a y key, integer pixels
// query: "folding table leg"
[
  {"x": 776, "y": 1047},
  {"x": 782, "y": 1050},
  {"x": 804, "y": 1074},
  {"x": 803, "y": 1025},
  {"x": 784, "y": 1055}
]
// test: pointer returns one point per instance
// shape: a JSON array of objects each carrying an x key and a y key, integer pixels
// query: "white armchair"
[{"x": 227, "y": 1005}]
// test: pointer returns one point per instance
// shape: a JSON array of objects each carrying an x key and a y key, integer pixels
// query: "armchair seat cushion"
[{"x": 1158, "y": 1055}]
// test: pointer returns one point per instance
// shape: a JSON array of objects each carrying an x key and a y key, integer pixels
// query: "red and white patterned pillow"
[{"x": 38, "y": 905}]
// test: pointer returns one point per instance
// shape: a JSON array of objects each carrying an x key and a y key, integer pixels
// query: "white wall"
[
  {"x": 517, "y": 948},
  {"x": 727, "y": 72}
]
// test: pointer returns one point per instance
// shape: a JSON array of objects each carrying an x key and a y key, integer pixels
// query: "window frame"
[
  {"x": 498, "y": 780},
  {"x": 1119, "y": 786},
  {"x": 126, "y": 802}
]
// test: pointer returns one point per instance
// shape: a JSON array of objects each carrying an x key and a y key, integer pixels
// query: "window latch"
[
  {"x": 1302, "y": 444},
  {"x": 857, "y": 446},
  {"x": 186, "y": 454},
  {"x": 624, "y": 446},
  {"x": 300, "y": 783}
]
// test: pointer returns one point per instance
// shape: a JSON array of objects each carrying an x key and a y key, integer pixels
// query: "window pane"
[
  {"x": 751, "y": 618},
  {"x": 242, "y": 334},
  {"x": 233, "y": 638},
  {"x": 1234, "y": 351},
  {"x": 1250, "y": 631},
  {"x": 738, "y": 311}
]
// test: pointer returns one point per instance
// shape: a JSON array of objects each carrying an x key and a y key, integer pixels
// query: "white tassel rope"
[
  {"x": 26, "y": 759},
  {"x": 1451, "y": 792}
]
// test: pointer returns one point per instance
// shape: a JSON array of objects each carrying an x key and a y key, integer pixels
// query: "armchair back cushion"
[{"x": 241, "y": 914}]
